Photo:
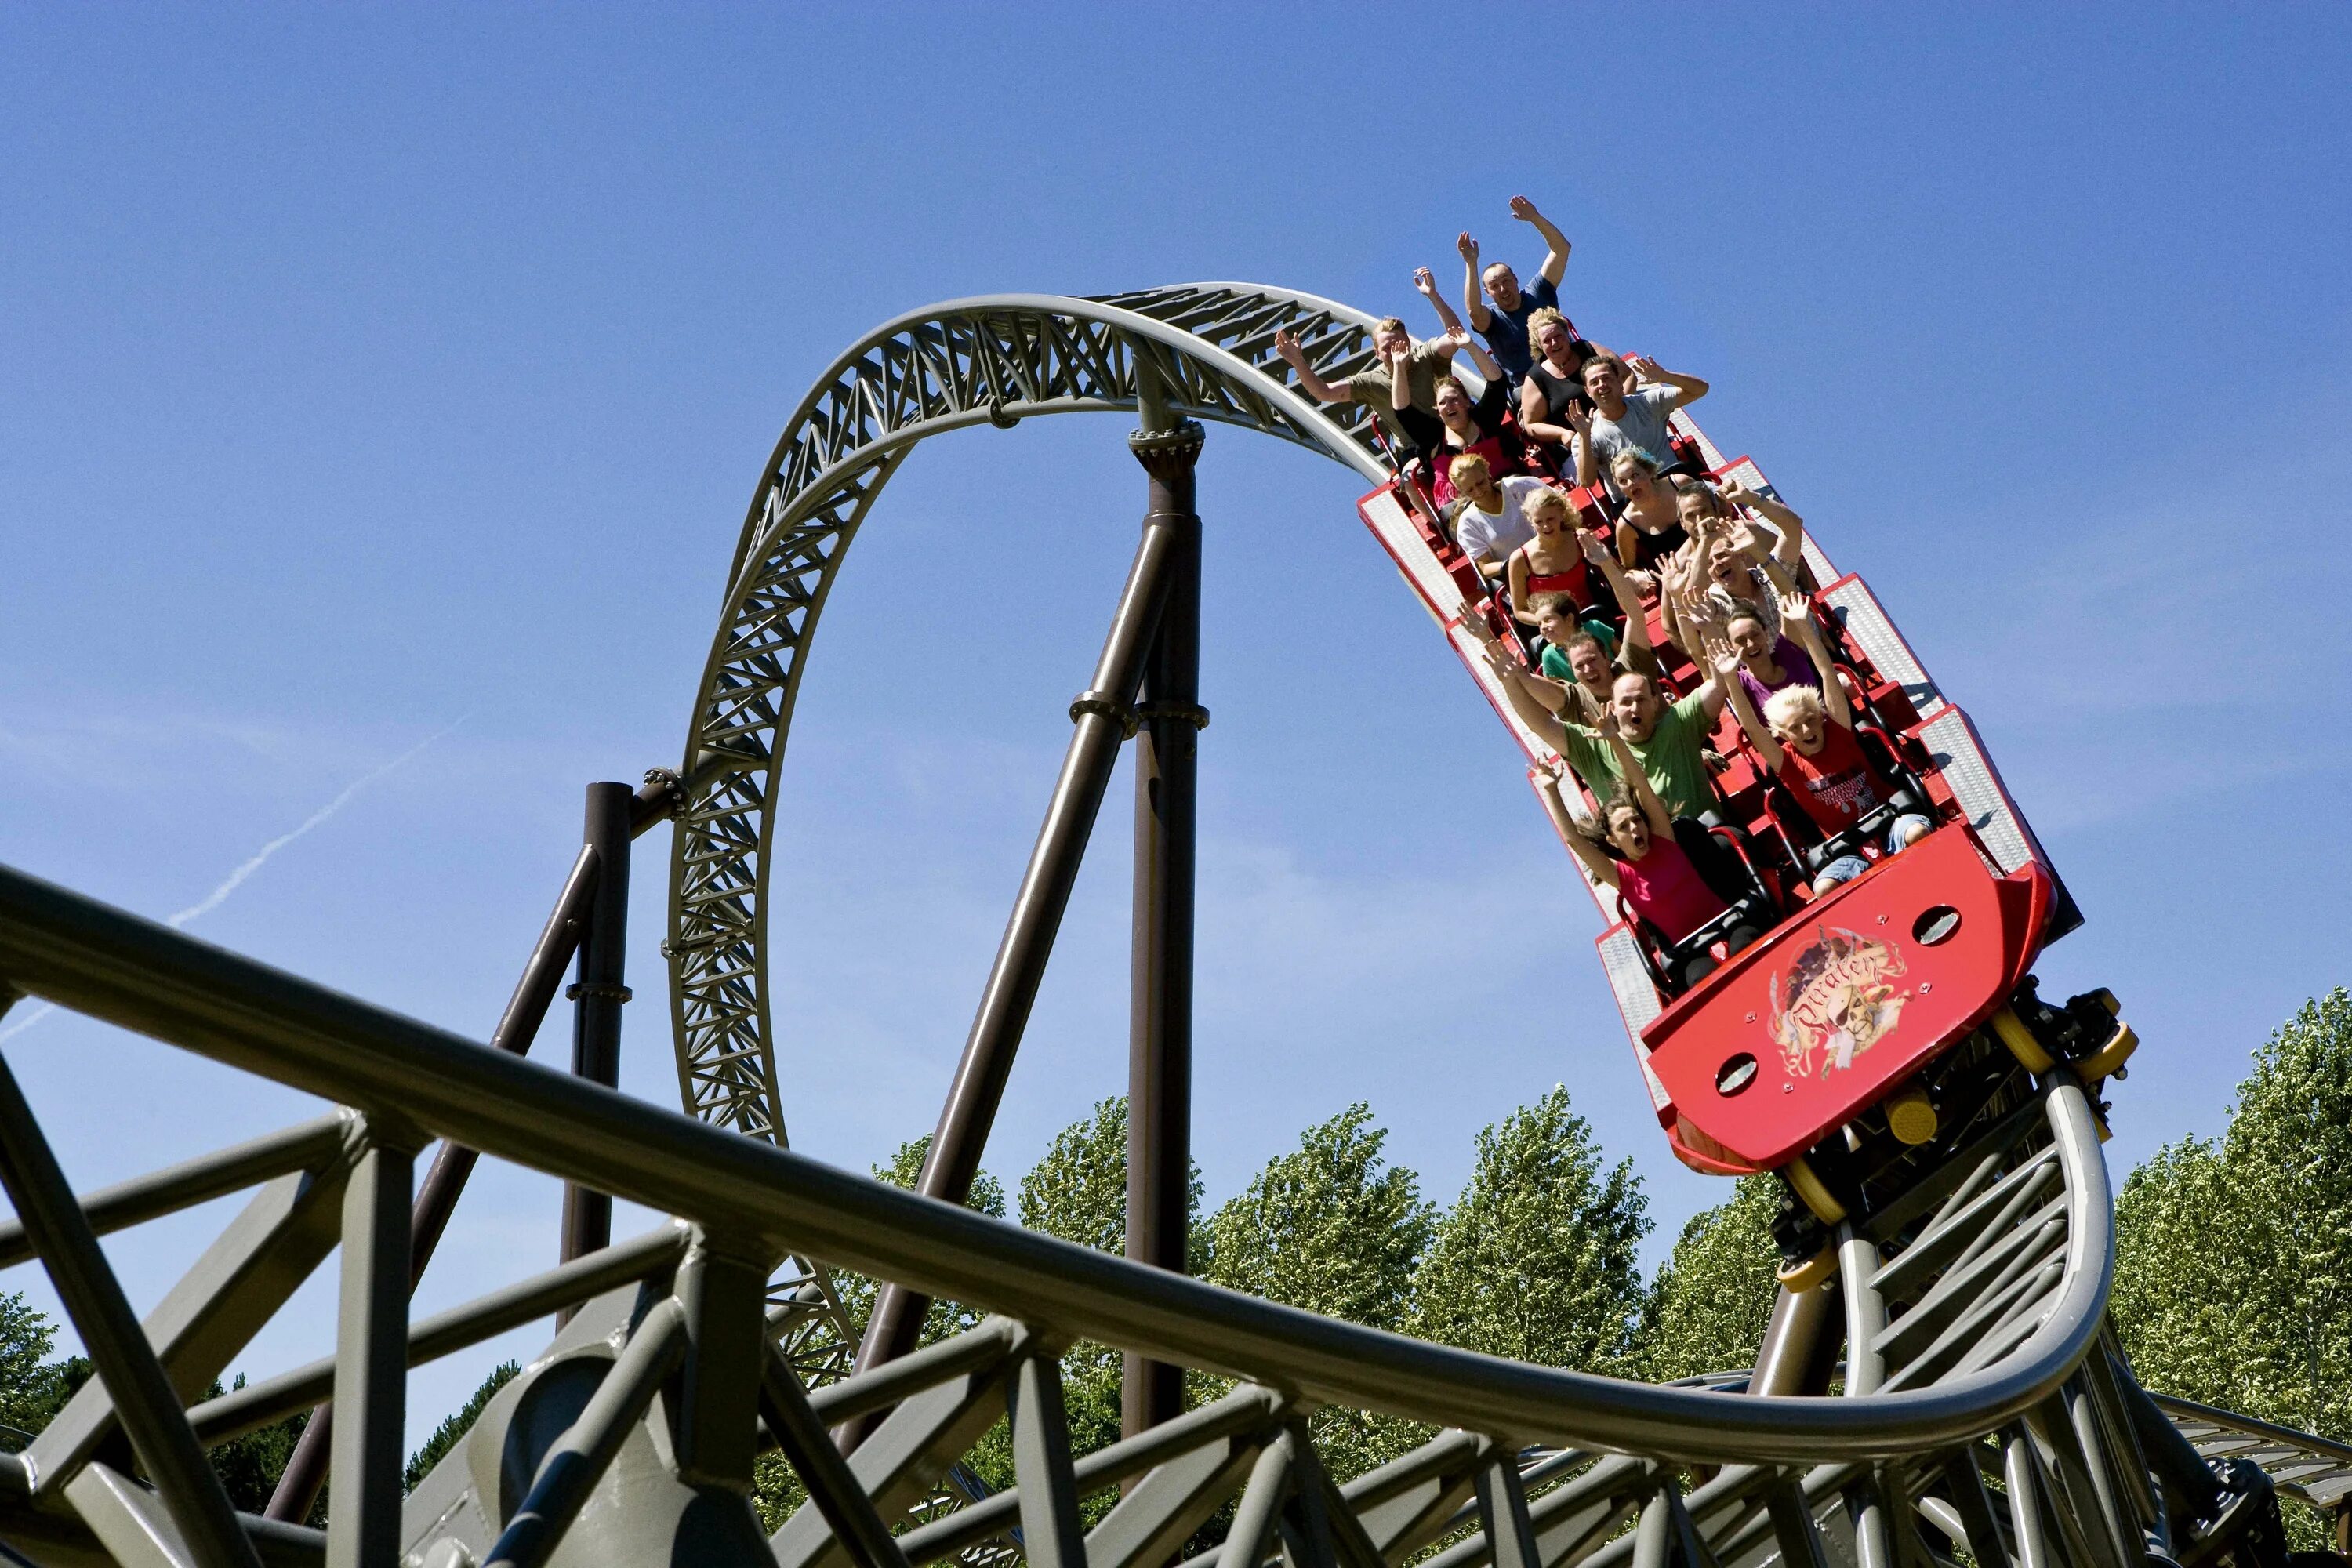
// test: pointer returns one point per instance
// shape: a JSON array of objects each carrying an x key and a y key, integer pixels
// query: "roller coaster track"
[{"x": 1980, "y": 1412}]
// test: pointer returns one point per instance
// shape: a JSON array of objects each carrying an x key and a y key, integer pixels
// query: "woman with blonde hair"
[
  {"x": 1552, "y": 561},
  {"x": 1555, "y": 381}
]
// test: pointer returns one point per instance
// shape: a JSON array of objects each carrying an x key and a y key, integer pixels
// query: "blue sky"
[{"x": 369, "y": 371}]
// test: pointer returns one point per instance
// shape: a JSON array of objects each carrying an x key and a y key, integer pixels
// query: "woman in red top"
[
  {"x": 1650, "y": 869},
  {"x": 1805, "y": 737},
  {"x": 1552, "y": 563}
]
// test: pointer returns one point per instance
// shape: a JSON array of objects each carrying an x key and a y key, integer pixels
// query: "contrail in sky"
[{"x": 260, "y": 858}]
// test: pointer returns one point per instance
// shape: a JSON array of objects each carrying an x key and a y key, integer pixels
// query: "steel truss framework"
[
  {"x": 994, "y": 360},
  {"x": 1987, "y": 1416}
]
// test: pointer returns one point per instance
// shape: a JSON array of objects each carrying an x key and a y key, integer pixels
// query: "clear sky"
[{"x": 367, "y": 370}]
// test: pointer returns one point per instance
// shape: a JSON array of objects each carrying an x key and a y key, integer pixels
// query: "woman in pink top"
[{"x": 1650, "y": 869}]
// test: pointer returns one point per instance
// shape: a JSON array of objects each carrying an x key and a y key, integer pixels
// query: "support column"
[
  {"x": 369, "y": 1419},
  {"x": 599, "y": 994},
  {"x": 1159, "y": 1019},
  {"x": 1801, "y": 1342},
  {"x": 1099, "y": 720}
]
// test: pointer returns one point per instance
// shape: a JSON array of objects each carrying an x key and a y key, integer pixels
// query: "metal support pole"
[
  {"x": 144, "y": 1399},
  {"x": 444, "y": 1180},
  {"x": 1160, "y": 1017},
  {"x": 1101, "y": 716},
  {"x": 600, "y": 993},
  {"x": 1799, "y": 1347},
  {"x": 371, "y": 1362},
  {"x": 1865, "y": 1314}
]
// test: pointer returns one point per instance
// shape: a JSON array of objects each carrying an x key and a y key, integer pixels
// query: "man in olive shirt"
[{"x": 1374, "y": 387}]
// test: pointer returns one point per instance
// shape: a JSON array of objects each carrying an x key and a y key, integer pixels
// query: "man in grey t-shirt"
[{"x": 1622, "y": 420}]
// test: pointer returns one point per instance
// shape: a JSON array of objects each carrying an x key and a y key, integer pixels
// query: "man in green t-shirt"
[{"x": 1665, "y": 739}]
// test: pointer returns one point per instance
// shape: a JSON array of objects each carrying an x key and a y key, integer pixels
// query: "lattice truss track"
[
  {"x": 1985, "y": 1417},
  {"x": 978, "y": 361}
]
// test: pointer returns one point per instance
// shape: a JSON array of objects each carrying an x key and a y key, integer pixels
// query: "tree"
[
  {"x": 1334, "y": 1228},
  {"x": 453, "y": 1430},
  {"x": 2231, "y": 1256},
  {"x": 2177, "y": 1301},
  {"x": 1712, "y": 1296},
  {"x": 30, "y": 1389},
  {"x": 2289, "y": 1154},
  {"x": 1536, "y": 1260},
  {"x": 776, "y": 1491}
]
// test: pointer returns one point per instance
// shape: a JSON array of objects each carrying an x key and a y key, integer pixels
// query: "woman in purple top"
[{"x": 1768, "y": 661}]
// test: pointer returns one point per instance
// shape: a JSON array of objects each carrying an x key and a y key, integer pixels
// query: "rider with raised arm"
[
  {"x": 1805, "y": 737},
  {"x": 1498, "y": 307},
  {"x": 1667, "y": 739},
  {"x": 1724, "y": 564},
  {"x": 1637, "y": 419},
  {"x": 1634, "y": 652},
  {"x": 1412, "y": 412},
  {"x": 1492, "y": 520},
  {"x": 1773, "y": 659},
  {"x": 1652, "y": 868},
  {"x": 1784, "y": 527},
  {"x": 1575, "y": 670}
]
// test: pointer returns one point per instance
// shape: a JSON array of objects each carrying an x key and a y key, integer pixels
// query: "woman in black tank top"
[
  {"x": 1650, "y": 527},
  {"x": 1555, "y": 381}
]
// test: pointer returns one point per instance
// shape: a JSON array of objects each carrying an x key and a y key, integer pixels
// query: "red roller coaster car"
[{"x": 1842, "y": 1026}]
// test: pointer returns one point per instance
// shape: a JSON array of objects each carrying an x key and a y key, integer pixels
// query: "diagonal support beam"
[
  {"x": 1151, "y": 1522},
  {"x": 839, "y": 1499},
  {"x": 265, "y": 1253},
  {"x": 569, "y": 1473},
  {"x": 905, "y": 1457},
  {"x": 127, "y": 1367},
  {"x": 1100, "y": 716}
]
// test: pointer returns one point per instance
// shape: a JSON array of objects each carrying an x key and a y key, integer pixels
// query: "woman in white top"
[{"x": 1492, "y": 522}]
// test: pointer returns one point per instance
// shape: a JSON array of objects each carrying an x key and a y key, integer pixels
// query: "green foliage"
[
  {"x": 945, "y": 1318},
  {"x": 1334, "y": 1228},
  {"x": 31, "y": 1390},
  {"x": 1708, "y": 1305},
  {"x": 447, "y": 1436},
  {"x": 250, "y": 1465},
  {"x": 776, "y": 1491},
  {"x": 1536, "y": 1260},
  {"x": 1078, "y": 1192},
  {"x": 2232, "y": 1256},
  {"x": 2175, "y": 1300}
]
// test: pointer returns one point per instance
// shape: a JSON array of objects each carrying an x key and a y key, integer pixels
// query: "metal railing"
[{"x": 650, "y": 1408}]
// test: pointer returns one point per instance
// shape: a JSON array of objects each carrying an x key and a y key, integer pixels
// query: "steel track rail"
[{"x": 398, "y": 1072}]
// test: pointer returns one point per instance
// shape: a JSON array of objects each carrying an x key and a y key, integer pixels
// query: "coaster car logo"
[{"x": 1841, "y": 1001}]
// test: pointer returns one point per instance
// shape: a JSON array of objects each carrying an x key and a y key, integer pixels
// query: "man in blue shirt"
[{"x": 1498, "y": 307}]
